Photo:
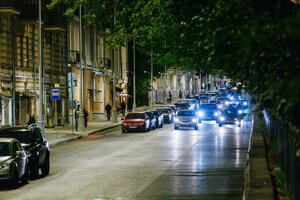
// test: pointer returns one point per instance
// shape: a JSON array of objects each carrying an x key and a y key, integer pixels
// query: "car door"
[
  {"x": 20, "y": 157},
  {"x": 40, "y": 144}
]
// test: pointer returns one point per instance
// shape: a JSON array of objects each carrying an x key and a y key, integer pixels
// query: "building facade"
[{"x": 81, "y": 67}]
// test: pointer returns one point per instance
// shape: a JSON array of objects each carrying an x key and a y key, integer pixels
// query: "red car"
[{"x": 136, "y": 121}]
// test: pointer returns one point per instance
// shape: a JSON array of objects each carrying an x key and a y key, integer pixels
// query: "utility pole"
[
  {"x": 134, "y": 87},
  {"x": 81, "y": 120},
  {"x": 114, "y": 117},
  {"x": 151, "y": 81},
  {"x": 40, "y": 120}
]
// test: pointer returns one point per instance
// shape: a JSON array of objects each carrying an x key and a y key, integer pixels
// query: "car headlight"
[
  {"x": 200, "y": 113},
  {"x": 176, "y": 120},
  {"x": 222, "y": 118},
  {"x": 194, "y": 120},
  {"x": 4, "y": 166},
  {"x": 125, "y": 124},
  {"x": 240, "y": 112},
  {"x": 216, "y": 114},
  {"x": 245, "y": 103},
  {"x": 142, "y": 123}
]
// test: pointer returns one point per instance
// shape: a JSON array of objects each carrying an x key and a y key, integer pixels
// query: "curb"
[
  {"x": 76, "y": 137},
  {"x": 258, "y": 183}
]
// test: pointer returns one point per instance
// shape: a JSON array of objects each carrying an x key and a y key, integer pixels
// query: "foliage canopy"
[{"x": 254, "y": 42}]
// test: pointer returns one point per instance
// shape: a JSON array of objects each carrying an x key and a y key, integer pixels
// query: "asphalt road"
[{"x": 162, "y": 164}]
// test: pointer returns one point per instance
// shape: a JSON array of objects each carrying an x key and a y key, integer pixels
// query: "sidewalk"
[{"x": 66, "y": 133}]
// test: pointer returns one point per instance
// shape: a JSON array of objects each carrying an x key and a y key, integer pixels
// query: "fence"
[{"x": 285, "y": 143}]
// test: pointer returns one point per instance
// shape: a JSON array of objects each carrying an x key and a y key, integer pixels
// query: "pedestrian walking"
[
  {"x": 85, "y": 115},
  {"x": 76, "y": 118},
  {"x": 180, "y": 94},
  {"x": 170, "y": 97},
  {"x": 123, "y": 108},
  {"x": 108, "y": 111}
]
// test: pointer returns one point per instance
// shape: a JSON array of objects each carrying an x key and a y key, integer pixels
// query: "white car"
[{"x": 186, "y": 118}]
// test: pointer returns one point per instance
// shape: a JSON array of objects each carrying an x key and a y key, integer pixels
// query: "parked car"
[
  {"x": 208, "y": 111},
  {"x": 186, "y": 118},
  {"x": 182, "y": 105},
  {"x": 168, "y": 114},
  {"x": 153, "y": 120},
  {"x": 173, "y": 107},
  {"x": 35, "y": 145},
  {"x": 14, "y": 164},
  {"x": 136, "y": 121},
  {"x": 159, "y": 118}
]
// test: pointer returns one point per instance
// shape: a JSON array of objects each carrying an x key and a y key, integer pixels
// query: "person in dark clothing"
[
  {"x": 123, "y": 108},
  {"x": 108, "y": 111},
  {"x": 170, "y": 97},
  {"x": 76, "y": 118},
  {"x": 180, "y": 94},
  {"x": 85, "y": 115}
]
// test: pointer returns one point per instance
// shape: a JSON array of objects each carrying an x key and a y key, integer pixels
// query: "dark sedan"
[
  {"x": 208, "y": 111},
  {"x": 14, "y": 165},
  {"x": 230, "y": 116}
]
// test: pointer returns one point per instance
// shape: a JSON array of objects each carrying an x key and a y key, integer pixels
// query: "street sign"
[{"x": 55, "y": 94}]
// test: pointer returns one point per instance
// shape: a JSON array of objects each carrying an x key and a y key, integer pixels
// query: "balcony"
[
  {"x": 104, "y": 63},
  {"x": 9, "y": 7},
  {"x": 73, "y": 57}
]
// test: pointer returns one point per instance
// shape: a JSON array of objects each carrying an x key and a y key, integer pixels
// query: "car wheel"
[
  {"x": 123, "y": 131},
  {"x": 15, "y": 179},
  {"x": 162, "y": 125},
  {"x": 199, "y": 121},
  {"x": 45, "y": 168},
  {"x": 239, "y": 124},
  {"x": 34, "y": 170},
  {"x": 220, "y": 125},
  {"x": 196, "y": 127},
  {"x": 25, "y": 176},
  {"x": 175, "y": 127}
]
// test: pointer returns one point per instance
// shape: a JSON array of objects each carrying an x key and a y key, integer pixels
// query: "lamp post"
[
  {"x": 40, "y": 120},
  {"x": 134, "y": 92},
  {"x": 134, "y": 89},
  {"x": 151, "y": 78}
]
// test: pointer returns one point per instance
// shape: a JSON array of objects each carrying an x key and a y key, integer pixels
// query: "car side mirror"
[{"x": 18, "y": 153}]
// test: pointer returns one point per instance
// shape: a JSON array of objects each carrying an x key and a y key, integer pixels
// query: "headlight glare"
[{"x": 4, "y": 166}]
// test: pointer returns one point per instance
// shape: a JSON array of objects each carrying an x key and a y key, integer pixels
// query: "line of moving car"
[{"x": 224, "y": 108}]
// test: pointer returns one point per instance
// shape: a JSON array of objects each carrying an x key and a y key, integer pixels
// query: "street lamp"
[
  {"x": 40, "y": 120},
  {"x": 151, "y": 78},
  {"x": 134, "y": 90}
]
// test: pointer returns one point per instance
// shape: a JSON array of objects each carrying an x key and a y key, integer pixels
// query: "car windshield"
[
  {"x": 4, "y": 149},
  {"x": 135, "y": 116},
  {"x": 185, "y": 113},
  {"x": 181, "y": 104},
  {"x": 166, "y": 111},
  {"x": 208, "y": 106},
  {"x": 23, "y": 137}
]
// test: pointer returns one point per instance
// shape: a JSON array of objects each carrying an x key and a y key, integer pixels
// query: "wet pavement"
[{"x": 257, "y": 179}]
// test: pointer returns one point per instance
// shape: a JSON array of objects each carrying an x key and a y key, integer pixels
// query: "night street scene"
[{"x": 149, "y": 99}]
